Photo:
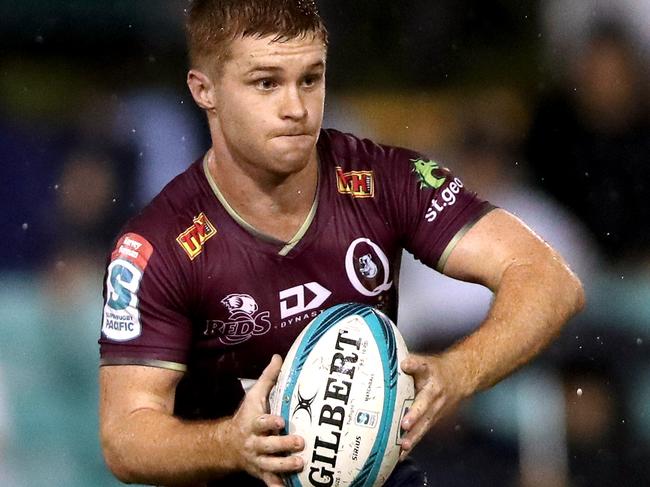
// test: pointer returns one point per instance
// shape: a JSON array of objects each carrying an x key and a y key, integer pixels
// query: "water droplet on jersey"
[
  {"x": 579, "y": 392},
  {"x": 25, "y": 226},
  {"x": 639, "y": 341}
]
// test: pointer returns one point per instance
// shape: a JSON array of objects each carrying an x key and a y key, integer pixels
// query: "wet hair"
[{"x": 212, "y": 25}]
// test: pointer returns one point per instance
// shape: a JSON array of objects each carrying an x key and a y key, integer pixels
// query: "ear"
[{"x": 202, "y": 89}]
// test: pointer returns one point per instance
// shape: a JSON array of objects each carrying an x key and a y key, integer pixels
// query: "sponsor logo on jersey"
[
  {"x": 243, "y": 323},
  {"x": 293, "y": 301},
  {"x": 367, "y": 267},
  {"x": 359, "y": 184},
  {"x": 429, "y": 173},
  {"x": 443, "y": 199},
  {"x": 121, "y": 320},
  {"x": 193, "y": 239}
]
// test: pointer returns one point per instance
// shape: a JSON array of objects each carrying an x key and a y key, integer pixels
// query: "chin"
[{"x": 294, "y": 157}]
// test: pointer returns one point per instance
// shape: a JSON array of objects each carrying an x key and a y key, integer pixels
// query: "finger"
[
  {"x": 269, "y": 445},
  {"x": 276, "y": 464},
  {"x": 267, "y": 423},
  {"x": 422, "y": 425},
  {"x": 416, "y": 367},
  {"x": 268, "y": 378},
  {"x": 422, "y": 403}
]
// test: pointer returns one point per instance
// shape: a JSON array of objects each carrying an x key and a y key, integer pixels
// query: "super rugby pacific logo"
[
  {"x": 367, "y": 267},
  {"x": 243, "y": 323}
]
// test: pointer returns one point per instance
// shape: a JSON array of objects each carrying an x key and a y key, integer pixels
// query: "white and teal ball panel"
[{"x": 341, "y": 388}]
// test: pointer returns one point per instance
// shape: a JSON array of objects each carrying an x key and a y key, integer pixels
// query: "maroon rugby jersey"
[{"x": 192, "y": 287}]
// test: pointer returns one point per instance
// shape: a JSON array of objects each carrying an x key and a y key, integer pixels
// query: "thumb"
[
  {"x": 412, "y": 365},
  {"x": 268, "y": 378}
]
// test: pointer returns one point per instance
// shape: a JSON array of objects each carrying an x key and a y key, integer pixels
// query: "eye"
[
  {"x": 311, "y": 80},
  {"x": 265, "y": 84}
]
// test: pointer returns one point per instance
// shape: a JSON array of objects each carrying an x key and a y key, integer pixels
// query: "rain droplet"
[
  {"x": 183, "y": 138},
  {"x": 639, "y": 341},
  {"x": 56, "y": 187},
  {"x": 132, "y": 131},
  {"x": 25, "y": 226},
  {"x": 38, "y": 39},
  {"x": 114, "y": 200},
  {"x": 579, "y": 392}
]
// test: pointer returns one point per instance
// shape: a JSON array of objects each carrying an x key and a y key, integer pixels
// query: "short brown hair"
[{"x": 212, "y": 24}]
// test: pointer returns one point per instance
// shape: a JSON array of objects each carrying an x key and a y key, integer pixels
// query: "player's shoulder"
[
  {"x": 351, "y": 151},
  {"x": 177, "y": 206}
]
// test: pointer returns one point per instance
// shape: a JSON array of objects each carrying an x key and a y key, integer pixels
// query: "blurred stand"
[
  {"x": 48, "y": 334},
  {"x": 589, "y": 145},
  {"x": 567, "y": 25}
]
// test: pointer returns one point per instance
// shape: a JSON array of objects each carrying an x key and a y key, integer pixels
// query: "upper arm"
[
  {"x": 494, "y": 243},
  {"x": 125, "y": 389}
]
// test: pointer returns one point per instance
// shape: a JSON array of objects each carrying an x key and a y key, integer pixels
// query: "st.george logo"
[{"x": 429, "y": 173}]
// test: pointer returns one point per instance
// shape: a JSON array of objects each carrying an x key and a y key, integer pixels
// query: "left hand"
[{"x": 438, "y": 391}]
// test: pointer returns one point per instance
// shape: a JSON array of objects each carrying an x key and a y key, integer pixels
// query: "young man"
[{"x": 280, "y": 220}]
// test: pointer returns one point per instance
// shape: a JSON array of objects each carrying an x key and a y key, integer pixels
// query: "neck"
[
  {"x": 276, "y": 205},
  {"x": 243, "y": 183}
]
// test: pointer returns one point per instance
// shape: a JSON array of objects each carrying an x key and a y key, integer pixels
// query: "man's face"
[{"x": 269, "y": 103}]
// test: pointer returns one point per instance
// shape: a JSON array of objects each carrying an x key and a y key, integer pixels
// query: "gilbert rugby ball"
[{"x": 341, "y": 388}]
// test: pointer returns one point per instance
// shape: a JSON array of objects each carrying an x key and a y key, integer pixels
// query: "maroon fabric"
[{"x": 224, "y": 310}]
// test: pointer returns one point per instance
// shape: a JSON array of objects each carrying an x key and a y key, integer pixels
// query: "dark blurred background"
[{"x": 539, "y": 105}]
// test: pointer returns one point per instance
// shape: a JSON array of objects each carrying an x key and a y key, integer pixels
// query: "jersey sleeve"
[
  {"x": 430, "y": 206},
  {"x": 145, "y": 319}
]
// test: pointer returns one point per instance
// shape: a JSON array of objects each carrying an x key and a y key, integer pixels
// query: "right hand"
[{"x": 260, "y": 449}]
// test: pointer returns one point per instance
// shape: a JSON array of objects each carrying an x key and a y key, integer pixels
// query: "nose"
[{"x": 293, "y": 105}]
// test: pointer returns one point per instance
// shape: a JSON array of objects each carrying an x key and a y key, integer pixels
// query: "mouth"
[{"x": 294, "y": 133}]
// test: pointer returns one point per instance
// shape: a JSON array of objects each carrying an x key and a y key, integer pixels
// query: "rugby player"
[{"x": 210, "y": 284}]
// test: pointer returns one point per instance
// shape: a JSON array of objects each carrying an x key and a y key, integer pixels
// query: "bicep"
[
  {"x": 125, "y": 389},
  {"x": 497, "y": 241}
]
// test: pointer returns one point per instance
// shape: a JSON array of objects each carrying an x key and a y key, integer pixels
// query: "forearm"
[
  {"x": 153, "y": 447},
  {"x": 532, "y": 302}
]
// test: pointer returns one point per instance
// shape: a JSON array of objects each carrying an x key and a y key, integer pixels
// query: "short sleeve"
[
  {"x": 144, "y": 320},
  {"x": 431, "y": 207}
]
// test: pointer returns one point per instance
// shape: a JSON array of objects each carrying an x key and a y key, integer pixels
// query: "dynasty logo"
[
  {"x": 193, "y": 239},
  {"x": 429, "y": 173},
  {"x": 359, "y": 184}
]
